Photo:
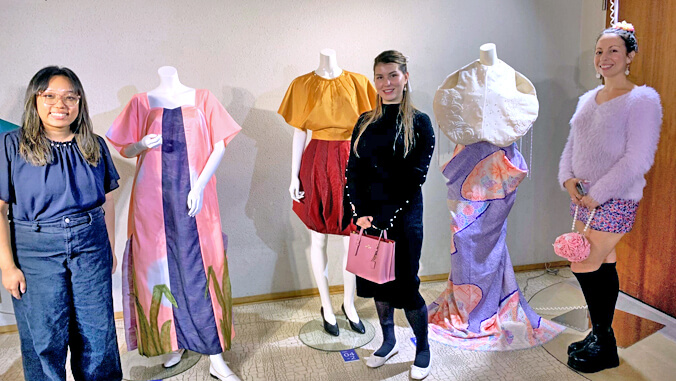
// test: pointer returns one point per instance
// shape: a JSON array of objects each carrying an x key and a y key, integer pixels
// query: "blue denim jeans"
[{"x": 68, "y": 300}]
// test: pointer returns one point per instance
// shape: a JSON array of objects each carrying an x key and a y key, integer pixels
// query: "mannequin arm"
[
  {"x": 148, "y": 141},
  {"x": 12, "y": 278},
  {"x": 299, "y": 138},
  {"x": 197, "y": 191}
]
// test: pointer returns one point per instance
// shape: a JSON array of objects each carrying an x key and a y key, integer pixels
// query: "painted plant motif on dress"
[
  {"x": 153, "y": 340},
  {"x": 224, "y": 298}
]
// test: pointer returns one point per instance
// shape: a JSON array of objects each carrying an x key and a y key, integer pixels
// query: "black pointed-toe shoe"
[
  {"x": 331, "y": 329},
  {"x": 358, "y": 326}
]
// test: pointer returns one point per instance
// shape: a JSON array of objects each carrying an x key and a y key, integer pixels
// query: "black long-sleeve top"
[{"x": 381, "y": 182}]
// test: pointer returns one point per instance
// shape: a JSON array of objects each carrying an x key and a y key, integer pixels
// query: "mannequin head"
[
  {"x": 616, "y": 47},
  {"x": 55, "y": 101}
]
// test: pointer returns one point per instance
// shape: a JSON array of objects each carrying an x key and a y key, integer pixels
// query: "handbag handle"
[
  {"x": 375, "y": 254},
  {"x": 586, "y": 226}
]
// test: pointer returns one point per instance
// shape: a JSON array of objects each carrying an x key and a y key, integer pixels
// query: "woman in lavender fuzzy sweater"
[{"x": 612, "y": 143}]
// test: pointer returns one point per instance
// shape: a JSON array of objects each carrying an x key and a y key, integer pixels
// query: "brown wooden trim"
[
  {"x": 539, "y": 266},
  {"x": 8, "y": 328},
  {"x": 339, "y": 288},
  {"x": 276, "y": 296}
]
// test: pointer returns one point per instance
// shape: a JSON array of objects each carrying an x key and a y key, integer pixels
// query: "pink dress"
[{"x": 173, "y": 261}]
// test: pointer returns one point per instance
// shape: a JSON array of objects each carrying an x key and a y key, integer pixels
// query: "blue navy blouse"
[{"x": 66, "y": 186}]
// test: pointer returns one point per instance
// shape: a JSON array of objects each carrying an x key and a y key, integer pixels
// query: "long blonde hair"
[
  {"x": 406, "y": 109},
  {"x": 34, "y": 146}
]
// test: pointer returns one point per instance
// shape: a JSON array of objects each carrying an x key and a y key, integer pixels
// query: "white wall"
[{"x": 247, "y": 53}]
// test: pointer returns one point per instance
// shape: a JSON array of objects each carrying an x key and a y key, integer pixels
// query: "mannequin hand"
[
  {"x": 364, "y": 222},
  {"x": 575, "y": 197},
  {"x": 114, "y": 264},
  {"x": 294, "y": 189},
  {"x": 151, "y": 141},
  {"x": 14, "y": 282},
  {"x": 195, "y": 201},
  {"x": 589, "y": 202}
]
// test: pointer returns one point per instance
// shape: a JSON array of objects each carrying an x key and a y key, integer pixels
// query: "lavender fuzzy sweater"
[{"x": 613, "y": 144}]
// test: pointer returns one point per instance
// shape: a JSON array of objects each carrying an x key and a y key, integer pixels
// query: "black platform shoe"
[
  {"x": 358, "y": 326},
  {"x": 599, "y": 354},
  {"x": 331, "y": 329},
  {"x": 576, "y": 346}
]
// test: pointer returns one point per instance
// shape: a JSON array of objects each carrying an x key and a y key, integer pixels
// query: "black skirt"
[{"x": 407, "y": 233}]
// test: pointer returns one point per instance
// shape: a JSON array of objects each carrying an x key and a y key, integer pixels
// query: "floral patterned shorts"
[{"x": 614, "y": 216}]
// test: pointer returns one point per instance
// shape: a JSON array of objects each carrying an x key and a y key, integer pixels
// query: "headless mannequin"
[
  {"x": 488, "y": 56},
  {"x": 172, "y": 94},
  {"x": 328, "y": 69}
]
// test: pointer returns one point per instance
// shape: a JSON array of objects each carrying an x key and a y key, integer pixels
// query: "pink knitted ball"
[{"x": 573, "y": 246}]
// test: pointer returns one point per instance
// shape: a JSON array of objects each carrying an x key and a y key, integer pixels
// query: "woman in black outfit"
[{"x": 390, "y": 154}]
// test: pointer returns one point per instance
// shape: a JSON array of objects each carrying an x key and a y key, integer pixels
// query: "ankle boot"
[{"x": 599, "y": 354}]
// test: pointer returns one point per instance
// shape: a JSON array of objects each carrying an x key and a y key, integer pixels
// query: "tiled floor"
[{"x": 267, "y": 347}]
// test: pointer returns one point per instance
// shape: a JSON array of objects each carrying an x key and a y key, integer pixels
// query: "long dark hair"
[
  {"x": 34, "y": 146},
  {"x": 406, "y": 109}
]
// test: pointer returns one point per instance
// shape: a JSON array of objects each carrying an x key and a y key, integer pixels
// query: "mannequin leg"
[
  {"x": 320, "y": 271},
  {"x": 349, "y": 286},
  {"x": 220, "y": 369}
]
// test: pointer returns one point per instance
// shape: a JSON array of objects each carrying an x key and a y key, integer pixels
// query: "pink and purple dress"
[
  {"x": 175, "y": 276},
  {"x": 482, "y": 307}
]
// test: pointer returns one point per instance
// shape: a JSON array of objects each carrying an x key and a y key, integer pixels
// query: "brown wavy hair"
[
  {"x": 34, "y": 146},
  {"x": 406, "y": 109}
]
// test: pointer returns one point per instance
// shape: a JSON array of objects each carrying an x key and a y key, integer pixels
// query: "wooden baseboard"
[
  {"x": 8, "y": 328},
  {"x": 276, "y": 296},
  {"x": 540, "y": 266},
  {"x": 339, "y": 288}
]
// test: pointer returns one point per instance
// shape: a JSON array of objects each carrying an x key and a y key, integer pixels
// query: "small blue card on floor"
[
  {"x": 413, "y": 340},
  {"x": 349, "y": 355}
]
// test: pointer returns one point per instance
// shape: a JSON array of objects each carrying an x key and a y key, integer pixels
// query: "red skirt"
[{"x": 322, "y": 178}]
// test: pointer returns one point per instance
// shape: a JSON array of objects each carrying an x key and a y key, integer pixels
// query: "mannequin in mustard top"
[
  {"x": 327, "y": 102},
  {"x": 173, "y": 182}
]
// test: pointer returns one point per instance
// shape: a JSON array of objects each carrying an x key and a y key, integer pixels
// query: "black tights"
[{"x": 417, "y": 319}]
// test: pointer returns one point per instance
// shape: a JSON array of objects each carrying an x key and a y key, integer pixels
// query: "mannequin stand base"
[
  {"x": 313, "y": 335},
  {"x": 140, "y": 368}
]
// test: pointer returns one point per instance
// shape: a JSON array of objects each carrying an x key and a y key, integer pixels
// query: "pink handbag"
[
  {"x": 370, "y": 257},
  {"x": 574, "y": 246}
]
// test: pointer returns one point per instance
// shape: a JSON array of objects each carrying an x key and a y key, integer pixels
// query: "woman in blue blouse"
[{"x": 55, "y": 179}]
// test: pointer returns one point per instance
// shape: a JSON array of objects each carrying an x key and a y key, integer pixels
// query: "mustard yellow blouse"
[{"x": 327, "y": 107}]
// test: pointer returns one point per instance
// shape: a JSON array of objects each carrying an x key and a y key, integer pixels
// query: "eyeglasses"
[{"x": 69, "y": 99}]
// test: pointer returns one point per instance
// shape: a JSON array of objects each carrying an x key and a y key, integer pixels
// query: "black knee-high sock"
[
  {"x": 600, "y": 289},
  {"x": 587, "y": 284},
  {"x": 386, "y": 317},
  {"x": 418, "y": 321},
  {"x": 610, "y": 283}
]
